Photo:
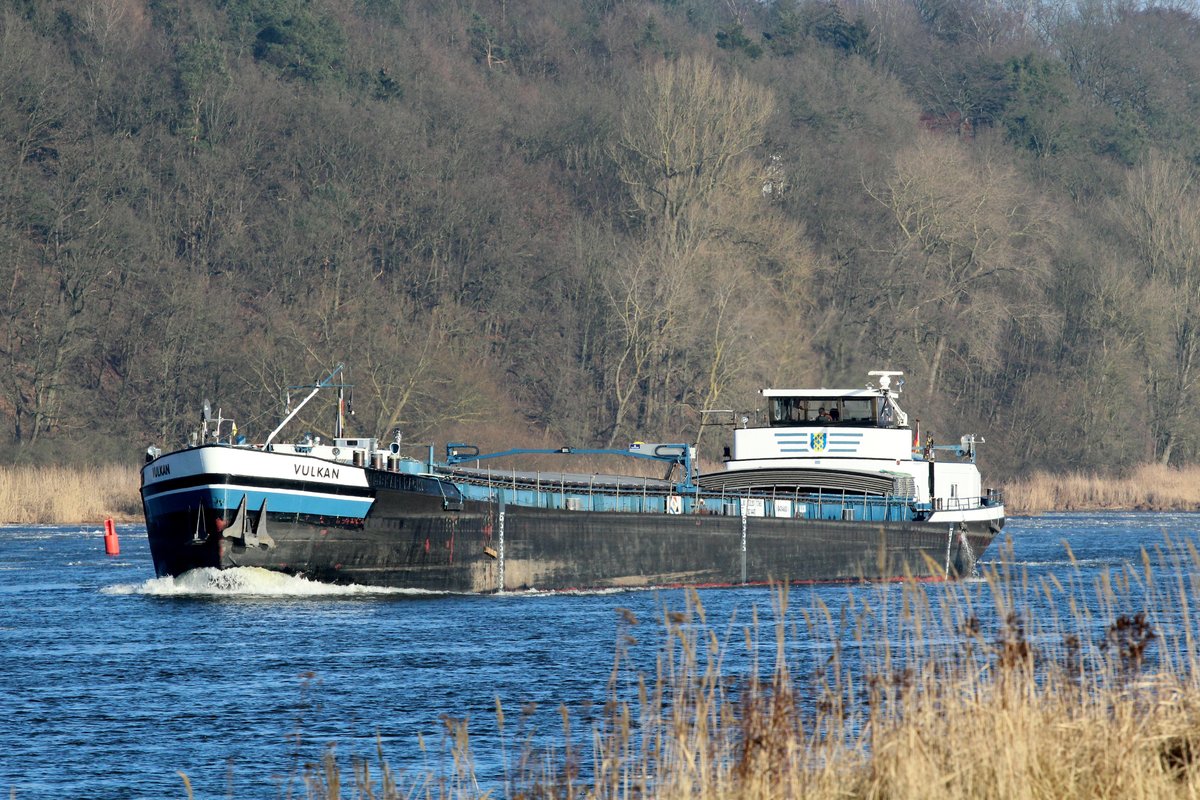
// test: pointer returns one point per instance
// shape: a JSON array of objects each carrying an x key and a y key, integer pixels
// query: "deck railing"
[{"x": 647, "y": 495}]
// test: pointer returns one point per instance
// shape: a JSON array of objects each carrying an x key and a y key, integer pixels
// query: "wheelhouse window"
[
  {"x": 791, "y": 411},
  {"x": 859, "y": 410}
]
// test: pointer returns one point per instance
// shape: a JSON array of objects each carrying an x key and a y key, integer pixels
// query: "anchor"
[
  {"x": 201, "y": 527},
  {"x": 252, "y": 535}
]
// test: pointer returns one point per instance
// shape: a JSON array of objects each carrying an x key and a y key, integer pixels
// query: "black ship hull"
[{"x": 410, "y": 540}]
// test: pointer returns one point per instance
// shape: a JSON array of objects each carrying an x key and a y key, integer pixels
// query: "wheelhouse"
[{"x": 859, "y": 409}]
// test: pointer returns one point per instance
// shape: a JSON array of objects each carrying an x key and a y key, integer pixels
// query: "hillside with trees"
[{"x": 583, "y": 222}]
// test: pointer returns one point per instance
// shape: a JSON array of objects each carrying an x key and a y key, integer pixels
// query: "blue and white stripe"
[
  {"x": 279, "y": 501},
  {"x": 839, "y": 443}
]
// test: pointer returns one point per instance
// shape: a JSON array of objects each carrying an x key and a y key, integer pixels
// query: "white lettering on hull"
[{"x": 313, "y": 471}]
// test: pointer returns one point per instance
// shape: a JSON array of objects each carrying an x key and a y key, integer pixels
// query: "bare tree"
[
  {"x": 680, "y": 152},
  {"x": 968, "y": 255},
  {"x": 682, "y": 129},
  {"x": 1162, "y": 214}
]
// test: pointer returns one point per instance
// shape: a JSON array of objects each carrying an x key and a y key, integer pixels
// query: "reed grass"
[
  {"x": 1064, "y": 687},
  {"x": 61, "y": 495},
  {"x": 1149, "y": 487}
]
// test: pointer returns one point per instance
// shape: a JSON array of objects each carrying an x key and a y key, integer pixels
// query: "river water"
[{"x": 113, "y": 682}]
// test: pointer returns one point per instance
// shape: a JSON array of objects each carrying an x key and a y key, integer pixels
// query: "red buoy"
[{"x": 111, "y": 546}]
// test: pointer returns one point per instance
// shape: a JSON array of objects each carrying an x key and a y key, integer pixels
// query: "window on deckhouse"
[{"x": 792, "y": 411}]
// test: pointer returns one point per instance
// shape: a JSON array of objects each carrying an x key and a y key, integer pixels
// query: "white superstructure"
[{"x": 855, "y": 441}]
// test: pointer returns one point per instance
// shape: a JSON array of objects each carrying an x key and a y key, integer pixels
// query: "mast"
[
  {"x": 326, "y": 382},
  {"x": 339, "y": 421}
]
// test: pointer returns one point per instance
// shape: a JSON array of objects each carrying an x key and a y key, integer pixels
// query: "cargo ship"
[{"x": 821, "y": 485}]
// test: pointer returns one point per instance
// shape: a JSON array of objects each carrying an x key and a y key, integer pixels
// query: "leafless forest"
[{"x": 583, "y": 222}]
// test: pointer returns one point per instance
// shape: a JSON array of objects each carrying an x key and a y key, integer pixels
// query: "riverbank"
[
  {"x": 63, "y": 495},
  {"x": 1150, "y": 487}
]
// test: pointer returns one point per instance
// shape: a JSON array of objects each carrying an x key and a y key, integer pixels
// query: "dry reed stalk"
[
  {"x": 1149, "y": 487},
  {"x": 1009, "y": 687},
  {"x": 61, "y": 495},
  {"x": 1051, "y": 716},
  {"x": 1026, "y": 706}
]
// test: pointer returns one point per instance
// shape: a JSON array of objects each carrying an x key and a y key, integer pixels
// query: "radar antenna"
[{"x": 885, "y": 379}]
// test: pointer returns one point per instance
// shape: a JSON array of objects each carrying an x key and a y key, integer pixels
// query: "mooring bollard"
[{"x": 111, "y": 546}]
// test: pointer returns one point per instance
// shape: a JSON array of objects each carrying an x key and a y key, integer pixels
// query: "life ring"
[{"x": 674, "y": 504}]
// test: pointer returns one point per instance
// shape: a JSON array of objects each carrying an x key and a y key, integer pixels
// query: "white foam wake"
[{"x": 247, "y": 582}]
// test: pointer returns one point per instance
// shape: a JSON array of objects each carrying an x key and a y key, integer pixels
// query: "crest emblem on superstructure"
[{"x": 817, "y": 443}]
